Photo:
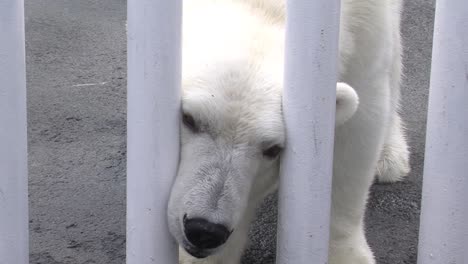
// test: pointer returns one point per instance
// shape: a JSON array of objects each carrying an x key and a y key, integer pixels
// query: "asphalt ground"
[{"x": 76, "y": 72}]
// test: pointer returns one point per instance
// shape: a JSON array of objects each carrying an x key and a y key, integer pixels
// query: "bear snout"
[{"x": 204, "y": 235}]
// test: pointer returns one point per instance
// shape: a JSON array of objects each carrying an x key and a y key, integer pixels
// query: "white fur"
[
  {"x": 232, "y": 85},
  {"x": 347, "y": 102}
]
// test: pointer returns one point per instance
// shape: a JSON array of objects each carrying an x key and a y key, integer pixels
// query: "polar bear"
[{"x": 232, "y": 131}]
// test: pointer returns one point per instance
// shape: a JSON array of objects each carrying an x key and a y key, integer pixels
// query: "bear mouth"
[{"x": 197, "y": 253}]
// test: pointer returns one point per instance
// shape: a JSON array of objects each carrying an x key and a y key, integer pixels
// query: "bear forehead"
[{"x": 235, "y": 102}]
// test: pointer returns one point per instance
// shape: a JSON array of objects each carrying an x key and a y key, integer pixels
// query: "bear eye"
[
  {"x": 189, "y": 122},
  {"x": 272, "y": 152}
]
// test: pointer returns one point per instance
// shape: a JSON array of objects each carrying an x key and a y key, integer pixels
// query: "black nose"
[{"x": 205, "y": 235}]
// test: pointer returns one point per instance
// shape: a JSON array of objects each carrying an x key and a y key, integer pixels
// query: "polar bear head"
[{"x": 232, "y": 136}]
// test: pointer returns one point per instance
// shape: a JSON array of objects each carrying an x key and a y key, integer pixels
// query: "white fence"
[
  {"x": 13, "y": 153},
  {"x": 311, "y": 40},
  {"x": 153, "y": 109},
  {"x": 154, "y": 72},
  {"x": 444, "y": 212}
]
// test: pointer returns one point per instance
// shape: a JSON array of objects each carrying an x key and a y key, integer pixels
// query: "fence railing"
[
  {"x": 444, "y": 211},
  {"x": 154, "y": 71},
  {"x": 14, "y": 247},
  {"x": 312, "y": 29}
]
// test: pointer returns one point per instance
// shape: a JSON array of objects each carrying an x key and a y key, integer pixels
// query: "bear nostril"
[{"x": 205, "y": 235}]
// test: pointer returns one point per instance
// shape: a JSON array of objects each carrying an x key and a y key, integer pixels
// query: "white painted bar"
[
  {"x": 154, "y": 73},
  {"x": 14, "y": 242},
  {"x": 309, "y": 111},
  {"x": 443, "y": 234}
]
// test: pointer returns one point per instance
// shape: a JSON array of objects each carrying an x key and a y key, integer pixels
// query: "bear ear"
[{"x": 347, "y": 102}]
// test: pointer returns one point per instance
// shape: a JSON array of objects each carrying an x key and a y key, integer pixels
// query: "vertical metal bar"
[
  {"x": 309, "y": 110},
  {"x": 443, "y": 234},
  {"x": 154, "y": 73},
  {"x": 14, "y": 246}
]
